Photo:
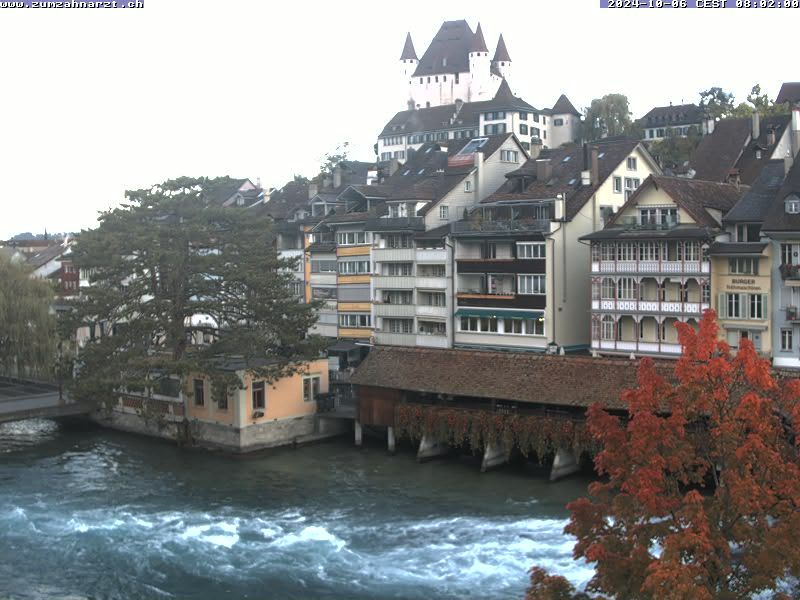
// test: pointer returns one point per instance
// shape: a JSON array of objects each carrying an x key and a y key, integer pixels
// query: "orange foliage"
[{"x": 700, "y": 496}]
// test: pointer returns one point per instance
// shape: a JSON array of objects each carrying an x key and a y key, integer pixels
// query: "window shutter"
[
  {"x": 744, "y": 306},
  {"x": 722, "y": 307},
  {"x": 764, "y": 306}
]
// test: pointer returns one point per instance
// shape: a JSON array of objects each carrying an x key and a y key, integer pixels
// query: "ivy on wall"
[{"x": 540, "y": 435}]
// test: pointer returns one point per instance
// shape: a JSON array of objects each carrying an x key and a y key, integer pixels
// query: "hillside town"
[
  {"x": 487, "y": 230},
  {"x": 577, "y": 291}
]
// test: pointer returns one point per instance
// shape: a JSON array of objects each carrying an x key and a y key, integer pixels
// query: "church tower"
[
  {"x": 408, "y": 64},
  {"x": 501, "y": 62},
  {"x": 478, "y": 66}
]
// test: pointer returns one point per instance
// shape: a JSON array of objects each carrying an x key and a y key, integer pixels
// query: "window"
[
  {"x": 355, "y": 320},
  {"x": 199, "y": 392},
  {"x": 297, "y": 288},
  {"x": 432, "y": 328},
  {"x": 533, "y": 326},
  {"x": 649, "y": 250},
  {"x": 509, "y": 156},
  {"x": 530, "y": 250},
  {"x": 756, "y": 306},
  {"x": 617, "y": 185},
  {"x": 398, "y": 210},
  {"x": 431, "y": 270},
  {"x": 535, "y": 132},
  {"x": 489, "y": 250},
  {"x": 558, "y": 122},
  {"x": 630, "y": 163},
  {"x": 786, "y": 340},
  {"x": 792, "y": 205},
  {"x": 536, "y": 117},
  {"x": 353, "y": 238},
  {"x": 523, "y": 128},
  {"x": 608, "y": 289},
  {"x": 399, "y": 241},
  {"x": 494, "y": 116},
  {"x": 467, "y": 186},
  {"x": 259, "y": 395},
  {"x": 705, "y": 293},
  {"x": 393, "y": 140},
  {"x": 311, "y": 386},
  {"x": 523, "y": 116},
  {"x": 530, "y": 284},
  {"x": 743, "y": 266},
  {"x": 608, "y": 251},
  {"x": 399, "y": 269},
  {"x": 607, "y": 328},
  {"x": 479, "y": 324},
  {"x": 787, "y": 254},
  {"x": 402, "y": 297},
  {"x": 631, "y": 183},
  {"x": 626, "y": 251},
  {"x": 323, "y": 293},
  {"x": 494, "y": 129},
  {"x": 748, "y": 233},
  {"x": 733, "y": 306},
  {"x": 354, "y": 267},
  {"x": 222, "y": 401},
  {"x": 432, "y": 299},
  {"x": 627, "y": 288},
  {"x": 398, "y": 325},
  {"x": 444, "y": 212},
  {"x": 688, "y": 251}
]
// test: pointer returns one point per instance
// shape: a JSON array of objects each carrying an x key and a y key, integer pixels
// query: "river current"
[{"x": 90, "y": 513}]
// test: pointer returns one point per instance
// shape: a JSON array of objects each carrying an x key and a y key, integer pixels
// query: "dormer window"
[
  {"x": 239, "y": 201},
  {"x": 792, "y": 204}
]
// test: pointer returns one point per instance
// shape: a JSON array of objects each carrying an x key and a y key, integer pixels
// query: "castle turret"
[
  {"x": 408, "y": 64},
  {"x": 501, "y": 62},
  {"x": 479, "y": 65}
]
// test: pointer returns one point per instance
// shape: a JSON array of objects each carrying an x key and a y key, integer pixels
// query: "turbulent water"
[{"x": 95, "y": 514}]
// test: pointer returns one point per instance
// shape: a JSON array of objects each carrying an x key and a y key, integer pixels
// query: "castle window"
[
  {"x": 558, "y": 122},
  {"x": 536, "y": 117},
  {"x": 523, "y": 116},
  {"x": 792, "y": 205},
  {"x": 456, "y": 77},
  {"x": 523, "y": 128},
  {"x": 429, "y": 79},
  {"x": 421, "y": 81},
  {"x": 437, "y": 79},
  {"x": 444, "y": 77}
]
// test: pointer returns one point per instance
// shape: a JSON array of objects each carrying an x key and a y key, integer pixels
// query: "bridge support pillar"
[
  {"x": 390, "y": 441},
  {"x": 429, "y": 448},
  {"x": 358, "y": 433},
  {"x": 565, "y": 463},
  {"x": 494, "y": 456}
]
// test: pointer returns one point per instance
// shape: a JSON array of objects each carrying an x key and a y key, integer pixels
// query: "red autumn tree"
[{"x": 700, "y": 496}]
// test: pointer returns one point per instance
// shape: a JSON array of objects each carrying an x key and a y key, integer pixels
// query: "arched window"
[{"x": 607, "y": 328}]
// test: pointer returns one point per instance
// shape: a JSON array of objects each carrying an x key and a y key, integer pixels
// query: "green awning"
[{"x": 500, "y": 313}]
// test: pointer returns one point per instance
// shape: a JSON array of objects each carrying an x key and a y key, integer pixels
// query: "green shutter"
[{"x": 722, "y": 307}]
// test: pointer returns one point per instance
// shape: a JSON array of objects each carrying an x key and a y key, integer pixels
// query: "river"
[{"x": 91, "y": 513}]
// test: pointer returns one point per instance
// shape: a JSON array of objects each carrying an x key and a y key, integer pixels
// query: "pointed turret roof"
[
  {"x": 478, "y": 43},
  {"x": 408, "y": 49},
  {"x": 506, "y": 98},
  {"x": 501, "y": 54},
  {"x": 564, "y": 107}
]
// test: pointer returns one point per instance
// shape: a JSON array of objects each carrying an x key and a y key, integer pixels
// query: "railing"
[
  {"x": 650, "y": 306},
  {"x": 636, "y": 223},
  {"x": 396, "y": 224},
  {"x": 637, "y": 346},
  {"x": 651, "y": 266},
  {"x": 789, "y": 271},
  {"x": 500, "y": 226}
]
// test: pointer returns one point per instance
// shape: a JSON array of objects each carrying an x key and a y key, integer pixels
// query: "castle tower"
[
  {"x": 502, "y": 61},
  {"x": 478, "y": 66},
  {"x": 408, "y": 64}
]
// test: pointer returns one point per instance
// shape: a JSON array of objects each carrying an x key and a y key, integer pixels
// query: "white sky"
[{"x": 93, "y": 102}]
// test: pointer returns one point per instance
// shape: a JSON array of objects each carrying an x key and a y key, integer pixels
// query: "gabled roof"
[
  {"x": 755, "y": 204},
  {"x": 696, "y": 197},
  {"x": 285, "y": 201},
  {"x": 501, "y": 53},
  {"x": 45, "y": 256},
  {"x": 567, "y": 163},
  {"x": 449, "y": 50},
  {"x": 790, "y": 92},
  {"x": 680, "y": 114},
  {"x": 408, "y": 49},
  {"x": 777, "y": 218},
  {"x": 478, "y": 44},
  {"x": 526, "y": 377},
  {"x": 564, "y": 107},
  {"x": 730, "y": 147}
]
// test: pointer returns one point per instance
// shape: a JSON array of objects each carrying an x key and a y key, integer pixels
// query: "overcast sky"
[{"x": 94, "y": 102}]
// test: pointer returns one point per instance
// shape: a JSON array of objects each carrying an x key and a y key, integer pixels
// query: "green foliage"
[
  {"x": 674, "y": 151},
  {"x": 27, "y": 327},
  {"x": 756, "y": 100},
  {"x": 717, "y": 102},
  {"x": 167, "y": 256},
  {"x": 607, "y": 117},
  {"x": 332, "y": 159}
]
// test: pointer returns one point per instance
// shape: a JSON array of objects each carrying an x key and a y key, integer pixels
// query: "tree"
[
  {"x": 27, "y": 328},
  {"x": 171, "y": 268},
  {"x": 717, "y": 102},
  {"x": 701, "y": 496},
  {"x": 674, "y": 151},
  {"x": 332, "y": 159},
  {"x": 761, "y": 102},
  {"x": 607, "y": 117}
]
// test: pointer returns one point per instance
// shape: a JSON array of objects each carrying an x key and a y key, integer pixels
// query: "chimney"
[
  {"x": 586, "y": 174},
  {"x": 536, "y": 148},
  {"x": 544, "y": 169},
  {"x": 337, "y": 176},
  {"x": 313, "y": 188},
  {"x": 795, "y": 139},
  {"x": 771, "y": 136},
  {"x": 787, "y": 162},
  {"x": 394, "y": 164},
  {"x": 558, "y": 212},
  {"x": 595, "y": 168},
  {"x": 756, "y": 125}
]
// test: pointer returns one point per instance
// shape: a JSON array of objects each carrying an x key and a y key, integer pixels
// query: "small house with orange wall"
[{"x": 260, "y": 414}]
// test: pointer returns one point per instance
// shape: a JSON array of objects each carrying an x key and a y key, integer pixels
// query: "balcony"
[
  {"x": 393, "y": 282},
  {"x": 431, "y": 340},
  {"x": 637, "y": 347},
  {"x": 431, "y": 283},
  {"x": 651, "y": 266},
  {"x": 426, "y": 310},
  {"x": 396, "y": 224},
  {"x": 790, "y": 274},
  {"x": 394, "y": 310},
  {"x": 432, "y": 255},
  {"x": 650, "y": 306},
  {"x": 792, "y": 314},
  {"x": 393, "y": 254},
  {"x": 635, "y": 224},
  {"x": 480, "y": 227},
  {"x": 395, "y": 339}
]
